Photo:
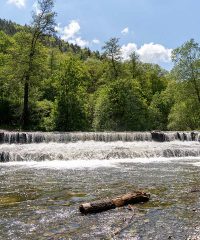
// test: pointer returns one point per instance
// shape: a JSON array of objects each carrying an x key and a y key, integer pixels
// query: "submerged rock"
[
  {"x": 194, "y": 136},
  {"x": 4, "y": 157},
  {"x": 1, "y": 137},
  {"x": 158, "y": 136}
]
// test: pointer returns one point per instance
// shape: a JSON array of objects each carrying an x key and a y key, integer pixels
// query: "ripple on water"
[{"x": 43, "y": 201}]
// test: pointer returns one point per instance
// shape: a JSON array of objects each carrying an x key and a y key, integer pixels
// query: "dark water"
[{"x": 41, "y": 202}]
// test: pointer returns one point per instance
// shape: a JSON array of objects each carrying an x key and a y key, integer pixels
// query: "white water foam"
[
  {"x": 95, "y": 163},
  {"x": 64, "y": 137},
  {"x": 196, "y": 164},
  {"x": 98, "y": 150}
]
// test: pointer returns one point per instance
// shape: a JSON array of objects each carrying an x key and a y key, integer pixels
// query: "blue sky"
[{"x": 150, "y": 27}]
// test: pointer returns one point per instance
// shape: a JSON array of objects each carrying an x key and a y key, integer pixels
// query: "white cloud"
[
  {"x": 71, "y": 32},
  {"x": 18, "y": 3},
  {"x": 126, "y": 50},
  {"x": 148, "y": 53},
  {"x": 95, "y": 41},
  {"x": 58, "y": 29},
  {"x": 125, "y": 31},
  {"x": 154, "y": 53},
  {"x": 79, "y": 41}
]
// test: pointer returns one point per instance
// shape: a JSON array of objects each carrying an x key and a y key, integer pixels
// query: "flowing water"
[{"x": 44, "y": 177}]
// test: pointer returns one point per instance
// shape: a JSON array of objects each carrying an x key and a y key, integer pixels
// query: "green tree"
[
  {"x": 134, "y": 61},
  {"x": 112, "y": 51},
  {"x": 120, "y": 107},
  {"x": 152, "y": 80},
  {"x": 6, "y": 43},
  {"x": 187, "y": 65},
  {"x": 18, "y": 67},
  {"x": 43, "y": 24},
  {"x": 185, "y": 113},
  {"x": 159, "y": 109},
  {"x": 70, "y": 114},
  {"x": 8, "y": 100}
]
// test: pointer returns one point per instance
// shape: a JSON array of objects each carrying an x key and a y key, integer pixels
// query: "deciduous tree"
[{"x": 43, "y": 24}]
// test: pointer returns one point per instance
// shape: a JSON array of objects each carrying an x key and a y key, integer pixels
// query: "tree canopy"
[{"x": 48, "y": 84}]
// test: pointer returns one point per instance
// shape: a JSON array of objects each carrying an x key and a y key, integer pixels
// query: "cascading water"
[
  {"x": 45, "y": 176},
  {"x": 90, "y": 150},
  {"x": 40, "y": 137},
  {"x": 40, "y": 146}
]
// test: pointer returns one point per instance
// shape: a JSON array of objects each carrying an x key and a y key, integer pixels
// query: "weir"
[
  {"x": 41, "y": 137},
  {"x": 16, "y": 146}
]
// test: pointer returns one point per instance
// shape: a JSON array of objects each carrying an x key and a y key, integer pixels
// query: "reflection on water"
[{"x": 41, "y": 202}]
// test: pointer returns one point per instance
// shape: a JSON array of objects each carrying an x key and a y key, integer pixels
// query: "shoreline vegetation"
[{"x": 48, "y": 84}]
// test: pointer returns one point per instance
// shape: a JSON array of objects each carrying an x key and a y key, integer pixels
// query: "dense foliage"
[{"x": 74, "y": 89}]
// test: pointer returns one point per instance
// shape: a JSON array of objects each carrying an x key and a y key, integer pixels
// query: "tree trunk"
[
  {"x": 107, "y": 204},
  {"x": 25, "y": 113}
]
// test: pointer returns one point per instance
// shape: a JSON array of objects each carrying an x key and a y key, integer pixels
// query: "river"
[{"x": 44, "y": 177}]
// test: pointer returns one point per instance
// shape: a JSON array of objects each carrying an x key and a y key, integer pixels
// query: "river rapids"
[{"x": 44, "y": 177}]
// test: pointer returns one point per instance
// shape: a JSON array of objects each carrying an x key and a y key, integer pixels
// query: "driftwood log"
[{"x": 107, "y": 204}]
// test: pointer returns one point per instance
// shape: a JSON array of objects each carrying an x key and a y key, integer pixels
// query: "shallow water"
[{"x": 40, "y": 199}]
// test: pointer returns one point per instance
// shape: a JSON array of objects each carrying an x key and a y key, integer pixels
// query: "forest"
[{"x": 48, "y": 84}]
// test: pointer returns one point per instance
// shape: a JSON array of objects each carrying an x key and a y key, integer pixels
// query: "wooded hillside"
[{"x": 74, "y": 89}]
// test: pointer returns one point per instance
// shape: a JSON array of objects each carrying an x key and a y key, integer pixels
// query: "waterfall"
[
  {"x": 90, "y": 150},
  {"x": 40, "y": 137},
  {"x": 39, "y": 146}
]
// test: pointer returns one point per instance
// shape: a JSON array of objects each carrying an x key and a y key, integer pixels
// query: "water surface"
[{"x": 42, "y": 186}]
